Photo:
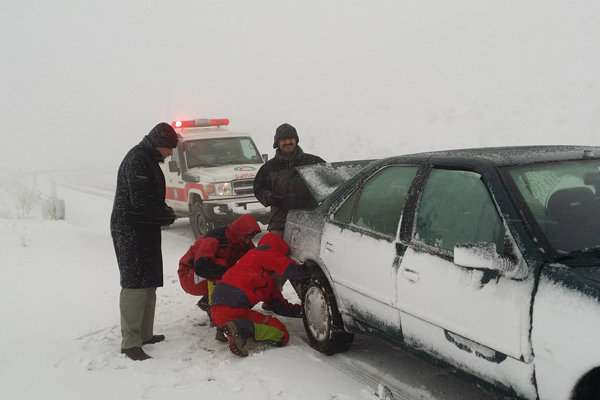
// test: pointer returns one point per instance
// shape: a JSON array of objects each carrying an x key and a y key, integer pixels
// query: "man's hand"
[{"x": 169, "y": 217}]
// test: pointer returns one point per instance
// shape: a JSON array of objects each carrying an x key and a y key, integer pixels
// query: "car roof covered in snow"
[
  {"x": 503, "y": 156},
  {"x": 323, "y": 179}
]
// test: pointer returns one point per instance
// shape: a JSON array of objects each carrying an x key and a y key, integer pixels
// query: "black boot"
[
  {"x": 135, "y": 353},
  {"x": 203, "y": 303},
  {"x": 154, "y": 339},
  {"x": 220, "y": 335}
]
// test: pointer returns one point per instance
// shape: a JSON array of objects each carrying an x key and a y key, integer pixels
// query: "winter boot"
[
  {"x": 203, "y": 303},
  {"x": 237, "y": 343},
  {"x": 220, "y": 335},
  {"x": 154, "y": 339},
  {"x": 135, "y": 353}
]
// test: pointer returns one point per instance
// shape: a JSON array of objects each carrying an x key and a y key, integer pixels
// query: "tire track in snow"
[
  {"x": 408, "y": 377},
  {"x": 359, "y": 372}
]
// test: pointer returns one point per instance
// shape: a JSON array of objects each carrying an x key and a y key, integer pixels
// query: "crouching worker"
[
  {"x": 250, "y": 281},
  {"x": 211, "y": 255}
]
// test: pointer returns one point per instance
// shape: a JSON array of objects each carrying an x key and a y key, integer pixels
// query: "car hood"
[
  {"x": 593, "y": 274},
  {"x": 323, "y": 179}
]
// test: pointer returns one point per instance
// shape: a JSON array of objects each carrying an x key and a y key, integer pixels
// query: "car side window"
[
  {"x": 456, "y": 207},
  {"x": 377, "y": 205},
  {"x": 344, "y": 213}
]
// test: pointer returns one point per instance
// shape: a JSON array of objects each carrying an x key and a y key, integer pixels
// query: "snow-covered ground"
[
  {"x": 362, "y": 80},
  {"x": 60, "y": 337}
]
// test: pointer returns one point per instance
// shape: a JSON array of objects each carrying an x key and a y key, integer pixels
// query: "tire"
[
  {"x": 322, "y": 320},
  {"x": 589, "y": 386},
  {"x": 198, "y": 221}
]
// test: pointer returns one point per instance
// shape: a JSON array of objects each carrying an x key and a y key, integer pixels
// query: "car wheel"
[
  {"x": 588, "y": 387},
  {"x": 322, "y": 320},
  {"x": 198, "y": 220}
]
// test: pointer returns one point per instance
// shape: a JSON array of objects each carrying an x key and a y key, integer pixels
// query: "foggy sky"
[{"x": 82, "y": 82}]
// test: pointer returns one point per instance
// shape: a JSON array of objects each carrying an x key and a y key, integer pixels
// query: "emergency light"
[{"x": 196, "y": 123}]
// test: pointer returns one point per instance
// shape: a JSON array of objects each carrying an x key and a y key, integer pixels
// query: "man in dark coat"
[
  {"x": 278, "y": 184},
  {"x": 139, "y": 212}
]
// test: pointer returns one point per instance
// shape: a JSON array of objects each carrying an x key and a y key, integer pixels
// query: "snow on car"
[
  {"x": 484, "y": 259},
  {"x": 209, "y": 178}
]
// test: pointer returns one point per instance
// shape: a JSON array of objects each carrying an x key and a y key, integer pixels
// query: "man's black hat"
[
  {"x": 284, "y": 131},
  {"x": 163, "y": 135}
]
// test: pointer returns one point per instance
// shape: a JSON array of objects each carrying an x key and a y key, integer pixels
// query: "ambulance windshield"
[{"x": 220, "y": 151}]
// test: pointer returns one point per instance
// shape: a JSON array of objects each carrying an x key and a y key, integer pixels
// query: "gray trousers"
[{"x": 137, "y": 316}]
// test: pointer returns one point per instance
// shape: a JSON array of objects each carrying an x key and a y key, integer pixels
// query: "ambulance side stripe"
[
  {"x": 170, "y": 193},
  {"x": 183, "y": 194}
]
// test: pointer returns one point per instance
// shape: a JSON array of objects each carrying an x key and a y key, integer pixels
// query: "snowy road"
[{"x": 190, "y": 361}]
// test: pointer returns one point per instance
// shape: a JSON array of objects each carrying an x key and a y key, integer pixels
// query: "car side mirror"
[
  {"x": 173, "y": 166},
  {"x": 483, "y": 255},
  {"x": 265, "y": 157}
]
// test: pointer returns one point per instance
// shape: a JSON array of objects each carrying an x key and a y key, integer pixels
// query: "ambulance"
[{"x": 210, "y": 176}]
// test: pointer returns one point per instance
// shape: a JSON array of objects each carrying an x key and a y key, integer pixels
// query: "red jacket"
[
  {"x": 214, "y": 252},
  {"x": 254, "y": 275}
]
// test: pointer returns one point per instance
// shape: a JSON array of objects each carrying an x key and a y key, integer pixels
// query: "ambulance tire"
[{"x": 198, "y": 220}]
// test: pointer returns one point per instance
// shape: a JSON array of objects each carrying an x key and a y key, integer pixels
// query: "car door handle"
[{"x": 410, "y": 275}]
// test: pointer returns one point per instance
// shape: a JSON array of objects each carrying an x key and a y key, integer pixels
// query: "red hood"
[
  {"x": 244, "y": 225},
  {"x": 275, "y": 242}
]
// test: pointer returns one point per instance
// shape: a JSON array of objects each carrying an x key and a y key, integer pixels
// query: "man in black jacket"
[
  {"x": 139, "y": 212},
  {"x": 278, "y": 184}
]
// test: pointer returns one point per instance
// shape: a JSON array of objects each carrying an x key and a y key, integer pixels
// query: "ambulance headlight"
[{"x": 223, "y": 189}]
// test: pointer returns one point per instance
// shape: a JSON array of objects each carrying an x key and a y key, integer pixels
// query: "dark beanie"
[
  {"x": 284, "y": 131},
  {"x": 163, "y": 135}
]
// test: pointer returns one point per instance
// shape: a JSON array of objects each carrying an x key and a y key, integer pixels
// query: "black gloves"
[
  {"x": 169, "y": 217},
  {"x": 286, "y": 310},
  {"x": 206, "y": 268}
]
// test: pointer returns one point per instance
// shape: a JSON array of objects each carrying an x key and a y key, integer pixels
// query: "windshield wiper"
[
  {"x": 591, "y": 252},
  {"x": 245, "y": 161},
  {"x": 203, "y": 165}
]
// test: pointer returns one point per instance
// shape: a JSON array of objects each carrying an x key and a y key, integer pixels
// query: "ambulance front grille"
[{"x": 243, "y": 187}]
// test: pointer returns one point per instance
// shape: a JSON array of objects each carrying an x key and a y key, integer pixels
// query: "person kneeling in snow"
[
  {"x": 211, "y": 255},
  {"x": 250, "y": 281}
]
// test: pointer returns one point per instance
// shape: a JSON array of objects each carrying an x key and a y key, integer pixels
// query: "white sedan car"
[{"x": 484, "y": 259}]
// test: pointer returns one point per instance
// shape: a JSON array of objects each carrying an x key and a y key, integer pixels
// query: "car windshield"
[
  {"x": 564, "y": 200},
  {"x": 220, "y": 151}
]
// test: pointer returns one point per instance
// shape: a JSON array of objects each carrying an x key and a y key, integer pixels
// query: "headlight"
[{"x": 223, "y": 189}]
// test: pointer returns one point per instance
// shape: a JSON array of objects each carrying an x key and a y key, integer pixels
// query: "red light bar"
[{"x": 195, "y": 123}]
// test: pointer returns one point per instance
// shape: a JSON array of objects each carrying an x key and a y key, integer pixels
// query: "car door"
[
  {"x": 466, "y": 305},
  {"x": 358, "y": 246}
]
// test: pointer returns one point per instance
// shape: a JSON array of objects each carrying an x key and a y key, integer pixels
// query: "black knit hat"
[
  {"x": 284, "y": 131},
  {"x": 163, "y": 135}
]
